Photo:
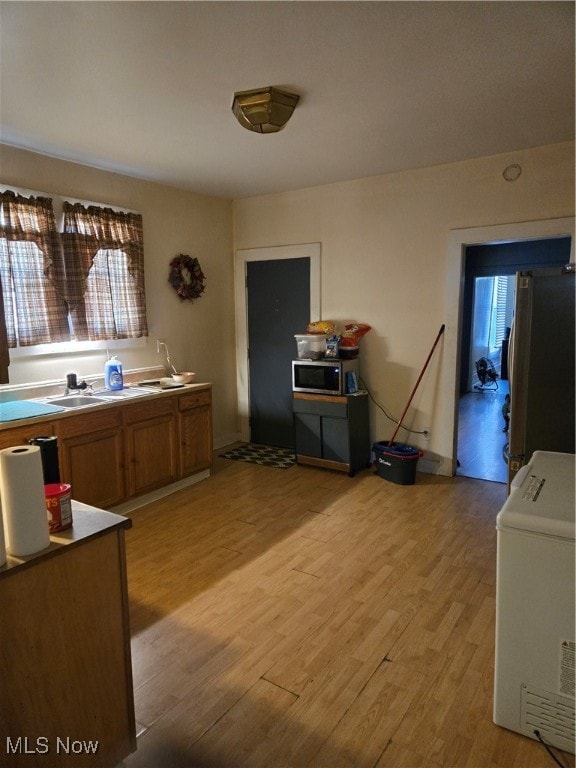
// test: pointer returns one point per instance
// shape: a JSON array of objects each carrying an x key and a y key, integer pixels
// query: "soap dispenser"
[{"x": 113, "y": 379}]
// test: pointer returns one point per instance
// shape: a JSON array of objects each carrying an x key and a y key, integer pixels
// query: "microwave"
[{"x": 325, "y": 377}]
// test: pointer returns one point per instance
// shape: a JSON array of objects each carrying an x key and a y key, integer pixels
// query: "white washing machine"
[{"x": 534, "y": 683}]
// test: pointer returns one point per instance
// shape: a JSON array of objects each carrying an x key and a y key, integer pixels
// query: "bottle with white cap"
[{"x": 113, "y": 378}]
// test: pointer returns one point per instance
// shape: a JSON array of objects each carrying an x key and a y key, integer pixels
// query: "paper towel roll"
[
  {"x": 23, "y": 502},
  {"x": 2, "y": 541}
]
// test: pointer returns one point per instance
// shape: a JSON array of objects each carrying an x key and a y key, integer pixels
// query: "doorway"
[
  {"x": 253, "y": 380},
  {"x": 482, "y": 411},
  {"x": 489, "y": 294}
]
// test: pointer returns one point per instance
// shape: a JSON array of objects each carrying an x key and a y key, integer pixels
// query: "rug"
[{"x": 266, "y": 455}]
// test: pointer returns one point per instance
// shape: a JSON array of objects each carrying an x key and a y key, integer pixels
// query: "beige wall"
[
  {"x": 386, "y": 261},
  {"x": 200, "y": 334}
]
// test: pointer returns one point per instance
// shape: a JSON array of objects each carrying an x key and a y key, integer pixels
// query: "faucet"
[
  {"x": 73, "y": 385},
  {"x": 159, "y": 344}
]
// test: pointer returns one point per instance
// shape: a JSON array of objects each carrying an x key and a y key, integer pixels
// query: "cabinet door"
[
  {"x": 308, "y": 432},
  {"x": 93, "y": 464},
  {"x": 335, "y": 439},
  {"x": 91, "y": 453},
  {"x": 195, "y": 440},
  {"x": 151, "y": 454}
]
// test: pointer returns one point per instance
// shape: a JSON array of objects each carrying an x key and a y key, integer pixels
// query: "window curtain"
[
  {"x": 31, "y": 271},
  {"x": 4, "y": 355},
  {"x": 104, "y": 257}
]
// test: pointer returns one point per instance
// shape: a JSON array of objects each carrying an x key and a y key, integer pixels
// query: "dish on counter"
[
  {"x": 184, "y": 377},
  {"x": 164, "y": 383}
]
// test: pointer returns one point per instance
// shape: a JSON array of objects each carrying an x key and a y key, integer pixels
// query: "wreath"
[{"x": 186, "y": 277}]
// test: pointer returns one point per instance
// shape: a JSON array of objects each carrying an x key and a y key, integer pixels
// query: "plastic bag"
[{"x": 322, "y": 326}]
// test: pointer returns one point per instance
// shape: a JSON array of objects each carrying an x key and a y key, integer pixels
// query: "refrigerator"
[
  {"x": 541, "y": 366},
  {"x": 535, "y": 650}
]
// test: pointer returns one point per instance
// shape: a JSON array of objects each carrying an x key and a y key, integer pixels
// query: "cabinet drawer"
[
  {"x": 149, "y": 409},
  {"x": 321, "y": 407},
  {"x": 87, "y": 423},
  {"x": 194, "y": 399},
  {"x": 21, "y": 435}
]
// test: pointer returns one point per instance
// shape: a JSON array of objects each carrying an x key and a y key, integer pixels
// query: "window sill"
[{"x": 72, "y": 347}]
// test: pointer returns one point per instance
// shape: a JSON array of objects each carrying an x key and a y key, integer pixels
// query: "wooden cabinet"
[
  {"x": 332, "y": 432},
  {"x": 66, "y": 699},
  {"x": 21, "y": 435},
  {"x": 91, "y": 453},
  {"x": 112, "y": 454},
  {"x": 151, "y": 445},
  {"x": 195, "y": 432}
]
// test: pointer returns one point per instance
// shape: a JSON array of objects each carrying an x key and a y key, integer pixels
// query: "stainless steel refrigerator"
[{"x": 541, "y": 366}]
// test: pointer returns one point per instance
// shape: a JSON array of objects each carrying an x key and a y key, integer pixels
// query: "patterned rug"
[{"x": 266, "y": 455}]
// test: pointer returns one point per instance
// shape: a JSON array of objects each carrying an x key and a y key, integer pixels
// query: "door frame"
[
  {"x": 272, "y": 253},
  {"x": 458, "y": 241}
]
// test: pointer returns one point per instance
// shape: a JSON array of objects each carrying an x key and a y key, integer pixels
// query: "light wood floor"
[
  {"x": 292, "y": 618},
  {"x": 481, "y": 438}
]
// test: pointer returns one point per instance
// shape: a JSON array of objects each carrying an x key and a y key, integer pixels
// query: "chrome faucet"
[{"x": 159, "y": 344}]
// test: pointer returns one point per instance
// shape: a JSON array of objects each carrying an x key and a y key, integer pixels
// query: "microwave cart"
[{"x": 332, "y": 431}]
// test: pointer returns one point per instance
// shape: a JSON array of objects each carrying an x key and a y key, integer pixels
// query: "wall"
[
  {"x": 386, "y": 262},
  {"x": 200, "y": 334}
]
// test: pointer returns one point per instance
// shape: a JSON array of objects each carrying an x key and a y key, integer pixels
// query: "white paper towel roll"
[
  {"x": 2, "y": 540},
  {"x": 23, "y": 500}
]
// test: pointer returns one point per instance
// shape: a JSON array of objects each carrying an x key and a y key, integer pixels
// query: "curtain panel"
[
  {"x": 31, "y": 271},
  {"x": 4, "y": 355},
  {"x": 85, "y": 283},
  {"x": 107, "y": 299}
]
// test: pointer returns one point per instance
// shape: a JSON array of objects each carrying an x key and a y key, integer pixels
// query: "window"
[
  {"x": 493, "y": 302},
  {"x": 30, "y": 268},
  {"x": 501, "y": 309},
  {"x": 111, "y": 297},
  {"x": 86, "y": 283},
  {"x": 104, "y": 259}
]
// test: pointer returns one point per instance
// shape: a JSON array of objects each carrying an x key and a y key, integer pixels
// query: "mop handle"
[{"x": 440, "y": 332}]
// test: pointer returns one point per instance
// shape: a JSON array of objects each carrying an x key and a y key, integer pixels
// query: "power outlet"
[
  {"x": 426, "y": 433},
  {"x": 159, "y": 344}
]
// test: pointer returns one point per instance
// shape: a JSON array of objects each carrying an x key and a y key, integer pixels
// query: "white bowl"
[{"x": 184, "y": 377}]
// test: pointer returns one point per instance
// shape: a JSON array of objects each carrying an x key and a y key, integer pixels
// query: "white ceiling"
[{"x": 145, "y": 88}]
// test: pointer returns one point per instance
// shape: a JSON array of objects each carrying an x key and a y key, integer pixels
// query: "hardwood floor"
[
  {"x": 292, "y": 618},
  {"x": 480, "y": 434}
]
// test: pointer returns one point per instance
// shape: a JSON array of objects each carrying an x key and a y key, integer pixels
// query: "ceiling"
[{"x": 145, "y": 88}]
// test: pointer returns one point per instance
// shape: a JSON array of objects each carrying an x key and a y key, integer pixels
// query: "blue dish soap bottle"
[{"x": 113, "y": 378}]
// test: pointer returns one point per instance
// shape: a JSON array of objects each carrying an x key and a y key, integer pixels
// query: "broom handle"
[{"x": 440, "y": 332}]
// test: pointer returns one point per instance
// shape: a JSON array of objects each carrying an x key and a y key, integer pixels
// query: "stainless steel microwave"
[{"x": 325, "y": 377}]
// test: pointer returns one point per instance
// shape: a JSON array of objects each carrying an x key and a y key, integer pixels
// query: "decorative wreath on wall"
[{"x": 186, "y": 277}]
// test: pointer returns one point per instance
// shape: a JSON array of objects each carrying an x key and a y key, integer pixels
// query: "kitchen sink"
[
  {"x": 76, "y": 401},
  {"x": 120, "y": 393}
]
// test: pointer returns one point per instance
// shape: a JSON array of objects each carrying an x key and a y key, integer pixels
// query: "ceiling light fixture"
[{"x": 264, "y": 110}]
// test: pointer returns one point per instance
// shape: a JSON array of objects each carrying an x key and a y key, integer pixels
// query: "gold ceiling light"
[{"x": 264, "y": 110}]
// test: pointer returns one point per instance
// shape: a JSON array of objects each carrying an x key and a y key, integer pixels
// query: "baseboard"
[{"x": 141, "y": 501}]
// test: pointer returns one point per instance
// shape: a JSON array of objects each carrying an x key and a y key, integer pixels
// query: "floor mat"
[{"x": 266, "y": 455}]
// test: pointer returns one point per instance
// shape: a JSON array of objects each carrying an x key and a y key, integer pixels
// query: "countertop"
[
  {"x": 87, "y": 523},
  {"x": 113, "y": 402}
]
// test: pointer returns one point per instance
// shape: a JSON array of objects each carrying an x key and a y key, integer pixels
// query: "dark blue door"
[{"x": 278, "y": 306}]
